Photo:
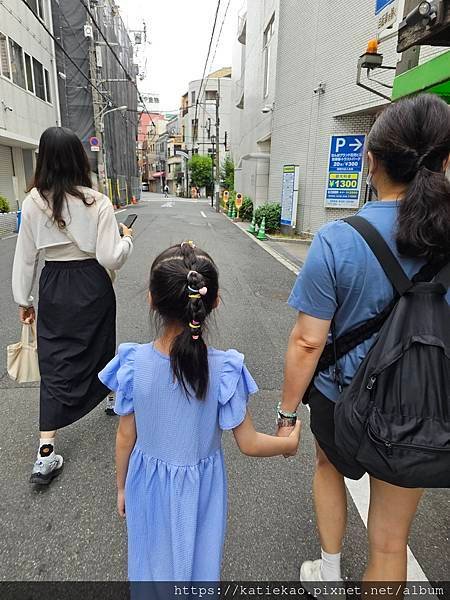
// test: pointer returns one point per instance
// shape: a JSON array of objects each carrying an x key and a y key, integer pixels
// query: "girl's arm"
[
  {"x": 125, "y": 440},
  {"x": 253, "y": 443}
]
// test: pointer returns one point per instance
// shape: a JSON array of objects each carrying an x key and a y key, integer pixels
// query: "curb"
[{"x": 273, "y": 253}]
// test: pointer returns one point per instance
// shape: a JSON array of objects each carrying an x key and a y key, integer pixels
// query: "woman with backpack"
[
  {"x": 74, "y": 228},
  {"x": 343, "y": 286}
]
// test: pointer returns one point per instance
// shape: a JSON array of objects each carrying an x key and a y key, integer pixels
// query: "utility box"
[{"x": 428, "y": 24}]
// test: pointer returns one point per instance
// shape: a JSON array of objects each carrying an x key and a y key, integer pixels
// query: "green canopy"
[{"x": 432, "y": 76}]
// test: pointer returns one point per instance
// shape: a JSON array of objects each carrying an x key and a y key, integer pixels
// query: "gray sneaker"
[
  {"x": 44, "y": 470},
  {"x": 109, "y": 408}
]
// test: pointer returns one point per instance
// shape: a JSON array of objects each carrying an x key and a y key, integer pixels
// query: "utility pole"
[
  {"x": 217, "y": 182},
  {"x": 97, "y": 109}
]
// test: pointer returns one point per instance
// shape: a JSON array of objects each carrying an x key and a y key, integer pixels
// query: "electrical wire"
[
  {"x": 220, "y": 31},
  {"x": 206, "y": 62},
  {"x": 113, "y": 52}
]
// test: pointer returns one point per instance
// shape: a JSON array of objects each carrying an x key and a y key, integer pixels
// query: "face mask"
[{"x": 371, "y": 186}]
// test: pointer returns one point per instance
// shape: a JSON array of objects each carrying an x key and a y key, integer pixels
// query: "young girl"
[{"x": 175, "y": 396}]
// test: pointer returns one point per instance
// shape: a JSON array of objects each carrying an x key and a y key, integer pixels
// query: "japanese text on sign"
[{"x": 345, "y": 171}]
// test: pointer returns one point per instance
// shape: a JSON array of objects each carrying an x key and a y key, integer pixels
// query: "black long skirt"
[{"x": 76, "y": 335}]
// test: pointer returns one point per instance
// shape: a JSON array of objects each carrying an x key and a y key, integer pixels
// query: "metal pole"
[
  {"x": 97, "y": 108},
  {"x": 217, "y": 182}
]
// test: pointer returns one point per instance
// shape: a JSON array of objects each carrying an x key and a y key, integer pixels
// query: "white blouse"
[{"x": 93, "y": 227}]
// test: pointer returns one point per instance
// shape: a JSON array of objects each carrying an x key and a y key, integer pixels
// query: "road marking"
[
  {"x": 9, "y": 237},
  {"x": 119, "y": 211},
  {"x": 167, "y": 205},
  {"x": 203, "y": 214},
  {"x": 359, "y": 490}
]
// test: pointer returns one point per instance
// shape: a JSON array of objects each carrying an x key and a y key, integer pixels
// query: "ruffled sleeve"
[
  {"x": 118, "y": 375},
  {"x": 236, "y": 385}
]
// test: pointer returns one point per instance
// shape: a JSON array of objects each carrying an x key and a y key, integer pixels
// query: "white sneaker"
[
  {"x": 109, "y": 407},
  {"x": 312, "y": 581},
  {"x": 45, "y": 469}
]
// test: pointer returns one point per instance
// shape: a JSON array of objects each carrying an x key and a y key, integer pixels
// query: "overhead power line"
[
  {"x": 113, "y": 52},
  {"x": 220, "y": 31},
  {"x": 207, "y": 60}
]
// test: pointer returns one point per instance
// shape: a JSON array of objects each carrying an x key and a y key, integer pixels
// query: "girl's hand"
[
  {"x": 126, "y": 231},
  {"x": 293, "y": 439},
  {"x": 27, "y": 316},
  {"x": 121, "y": 503}
]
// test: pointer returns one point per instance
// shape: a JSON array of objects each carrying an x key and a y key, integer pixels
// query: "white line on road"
[
  {"x": 359, "y": 490},
  {"x": 8, "y": 237},
  {"x": 119, "y": 211},
  {"x": 203, "y": 214}
]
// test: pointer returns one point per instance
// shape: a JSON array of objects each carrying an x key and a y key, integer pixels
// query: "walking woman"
[
  {"x": 75, "y": 229},
  {"x": 408, "y": 154}
]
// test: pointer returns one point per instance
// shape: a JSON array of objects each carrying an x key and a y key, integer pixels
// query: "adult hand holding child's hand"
[{"x": 293, "y": 435}]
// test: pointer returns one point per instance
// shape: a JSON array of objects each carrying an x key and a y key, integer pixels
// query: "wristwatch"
[{"x": 286, "y": 421}]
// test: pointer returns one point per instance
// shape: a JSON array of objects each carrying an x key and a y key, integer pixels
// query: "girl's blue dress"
[{"x": 176, "y": 490}]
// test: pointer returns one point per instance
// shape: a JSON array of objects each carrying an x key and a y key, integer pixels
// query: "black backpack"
[{"x": 394, "y": 417}]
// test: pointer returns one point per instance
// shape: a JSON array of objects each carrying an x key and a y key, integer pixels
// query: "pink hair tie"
[{"x": 203, "y": 291}]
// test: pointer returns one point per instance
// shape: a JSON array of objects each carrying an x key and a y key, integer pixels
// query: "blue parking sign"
[
  {"x": 381, "y": 5},
  {"x": 345, "y": 169}
]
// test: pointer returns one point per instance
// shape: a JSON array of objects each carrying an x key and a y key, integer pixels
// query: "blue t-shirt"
[{"x": 342, "y": 278}]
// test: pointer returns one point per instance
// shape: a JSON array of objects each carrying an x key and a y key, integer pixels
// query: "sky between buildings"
[{"x": 179, "y": 32}]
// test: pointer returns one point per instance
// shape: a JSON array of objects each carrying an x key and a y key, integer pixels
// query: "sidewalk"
[{"x": 292, "y": 251}]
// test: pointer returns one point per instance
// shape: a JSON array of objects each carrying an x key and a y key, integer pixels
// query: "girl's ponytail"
[
  {"x": 424, "y": 216},
  {"x": 411, "y": 138},
  {"x": 184, "y": 284},
  {"x": 189, "y": 354}
]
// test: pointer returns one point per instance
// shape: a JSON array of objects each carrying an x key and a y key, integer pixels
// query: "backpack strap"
[{"x": 392, "y": 268}]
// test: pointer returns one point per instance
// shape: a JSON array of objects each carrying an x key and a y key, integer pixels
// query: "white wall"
[
  {"x": 251, "y": 129},
  {"x": 22, "y": 127}
]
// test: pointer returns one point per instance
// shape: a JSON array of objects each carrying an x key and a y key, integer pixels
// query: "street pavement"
[{"x": 70, "y": 531}]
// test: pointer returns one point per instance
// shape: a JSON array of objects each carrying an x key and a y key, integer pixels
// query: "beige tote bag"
[{"x": 23, "y": 365}]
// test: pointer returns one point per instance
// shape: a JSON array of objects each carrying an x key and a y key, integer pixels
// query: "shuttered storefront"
[{"x": 6, "y": 176}]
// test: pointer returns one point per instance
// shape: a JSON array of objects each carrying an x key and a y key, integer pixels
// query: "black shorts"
[{"x": 322, "y": 426}]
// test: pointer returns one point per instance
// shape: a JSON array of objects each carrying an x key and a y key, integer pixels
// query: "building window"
[
  {"x": 193, "y": 97},
  {"x": 29, "y": 73},
  {"x": 194, "y": 128},
  {"x": 211, "y": 94},
  {"x": 38, "y": 79},
  {"x": 4, "y": 57},
  {"x": 17, "y": 64},
  {"x": 37, "y": 7},
  {"x": 268, "y": 35},
  {"x": 48, "y": 94}
]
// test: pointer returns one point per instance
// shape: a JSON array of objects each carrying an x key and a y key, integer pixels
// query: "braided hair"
[
  {"x": 184, "y": 285},
  {"x": 412, "y": 140}
]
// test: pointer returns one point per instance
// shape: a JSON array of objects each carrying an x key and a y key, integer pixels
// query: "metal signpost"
[
  {"x": 345, "y": 169},
  {"x": 289, "y": 196}
]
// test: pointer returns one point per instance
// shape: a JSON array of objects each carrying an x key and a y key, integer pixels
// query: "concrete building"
[
  {"x": 198, "y": 127},
  {"x": 294, "y": 86},
  {"x": 28, "y": 92},
  {"x": 151, "y": 126},
  {"x": 175, "y": 170},
  {"x": 253, "y": 89}
]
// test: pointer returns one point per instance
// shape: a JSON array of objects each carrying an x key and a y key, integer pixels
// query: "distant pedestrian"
[
  {"x": 166, "y": 191},
  {"x": 75, "y": 229},
  {"x": 175, "y": 397},
  {"x": 342, "y": 283}
]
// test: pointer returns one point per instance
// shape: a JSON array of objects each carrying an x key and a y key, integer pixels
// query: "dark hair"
[
  {"x": 61, "y": 166},
  {"x": 177, "y": 281},
  {"x": 411, "y": 138}
]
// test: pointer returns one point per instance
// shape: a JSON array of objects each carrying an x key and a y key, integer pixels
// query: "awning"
[
  {"x": 432, "y": 76},
  {"x": 158, "y": 174}
]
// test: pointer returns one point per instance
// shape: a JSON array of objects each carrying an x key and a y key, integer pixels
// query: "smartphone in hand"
[{"x": 129, "y": 222}]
